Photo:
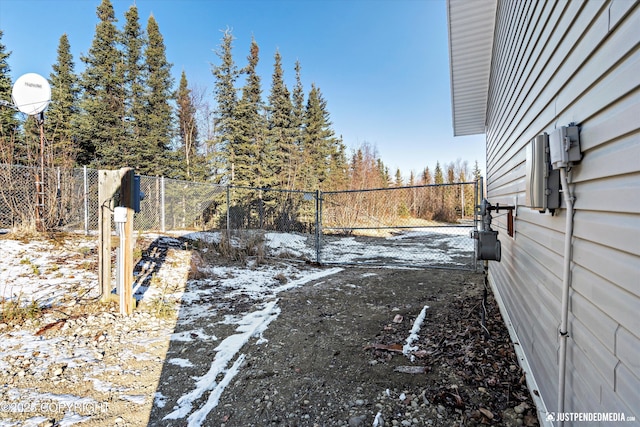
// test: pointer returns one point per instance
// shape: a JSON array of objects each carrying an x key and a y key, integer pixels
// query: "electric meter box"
[
  {"x": 138, "y": 195},
  {"x": 542, "y": 183},
  {"x": 564, "y": 146},
  {"x": 488, "y": 246}
]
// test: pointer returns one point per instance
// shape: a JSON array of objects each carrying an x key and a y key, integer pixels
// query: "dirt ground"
[{"x": 332, "y": 357}]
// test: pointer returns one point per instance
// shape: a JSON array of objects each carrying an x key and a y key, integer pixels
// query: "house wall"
[{"x": 557, "y": 62}]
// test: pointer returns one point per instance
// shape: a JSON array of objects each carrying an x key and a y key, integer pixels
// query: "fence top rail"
[
  {"x": 394, "y": 227},
  {"x": 279, "y": 190},
  {"x": 445, "y": 184}
]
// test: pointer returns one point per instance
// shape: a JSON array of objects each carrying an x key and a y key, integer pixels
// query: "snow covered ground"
[{"x": 64, "y": 274}]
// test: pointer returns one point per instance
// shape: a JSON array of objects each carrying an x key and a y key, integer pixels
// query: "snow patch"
[
  {"x": 178, "y": 361},
  {"x": 413, "y": 334}
]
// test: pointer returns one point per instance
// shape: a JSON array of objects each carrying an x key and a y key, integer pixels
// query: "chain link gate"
[{"x": 417, "y": 226}]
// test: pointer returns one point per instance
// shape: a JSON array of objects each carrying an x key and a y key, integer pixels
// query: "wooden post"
[
  {"x": 109, "y": 183},
  {"x": 126, "y": 199}
]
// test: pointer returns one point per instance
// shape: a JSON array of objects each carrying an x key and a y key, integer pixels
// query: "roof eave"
[{"x": 471, "y": 26}]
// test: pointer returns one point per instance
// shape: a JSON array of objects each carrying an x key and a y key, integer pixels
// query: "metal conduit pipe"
[{"x": 566, "y": 285}]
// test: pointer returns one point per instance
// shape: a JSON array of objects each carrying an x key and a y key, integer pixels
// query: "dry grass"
[{"x": 16, "y": 311}]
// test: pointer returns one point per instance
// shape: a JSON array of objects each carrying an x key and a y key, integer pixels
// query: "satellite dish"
[{"x": 31, "y": 94}]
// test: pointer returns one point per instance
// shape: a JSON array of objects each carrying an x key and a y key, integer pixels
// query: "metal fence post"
[
  {"x": 86, "y": 200},
  {"x": 462, "y": 198},
  {"x": 162, "y": 205},
  {"x": 228, "y": 209},
  {"x": 318, "y": 231}
]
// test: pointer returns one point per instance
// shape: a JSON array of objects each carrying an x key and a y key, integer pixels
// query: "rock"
[
  {"x": 521, "y": 408},
  {"x": 357, "y": 421}
]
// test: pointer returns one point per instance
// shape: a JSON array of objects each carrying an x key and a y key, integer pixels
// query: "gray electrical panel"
[
  {"x": 542, "y": 183},
  {"x": 564, "y": 146}
]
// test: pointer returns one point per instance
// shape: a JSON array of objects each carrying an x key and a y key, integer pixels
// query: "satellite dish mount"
[{"x": 31, "y": 95}]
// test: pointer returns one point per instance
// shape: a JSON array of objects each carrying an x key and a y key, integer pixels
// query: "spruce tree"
[
  {"x": 156, "y": 121},
  {"x": 438, "y": 177},
  {"x": 133, "y": 42},
  {"x": 281, "y": 131},
  {"x": 62, "y": 114},
  {"x": 398, "y": 178},
  {"x": 297, "y": 119},
  {"x": 477, "y": 173},
  {"x": 8, "y": 122},
  {"x": 338, "y": 167},
  {"x": 319, "y": 141},
  {"x": 188, "y": 151},
  {"x": 254, "y": 158},
  {"x": 101, "y": 131},
  {"x": 451, "y": 173},
  {"x": 427, "y": 179},
  {"x": 225, "y": 76}
]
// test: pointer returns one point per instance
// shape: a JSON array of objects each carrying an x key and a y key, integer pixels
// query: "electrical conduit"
[{"x": 566, "y": 285}]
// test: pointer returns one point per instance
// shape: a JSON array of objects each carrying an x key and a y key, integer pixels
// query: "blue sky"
[{"x": 382, "y": 65}]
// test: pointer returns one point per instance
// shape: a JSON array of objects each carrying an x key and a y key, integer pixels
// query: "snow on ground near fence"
[
  {"x": 63, "y": 273},
  {"x": 435, "y": 246},
  {"x": 442, "y": 245},
  {"x": 47, "y": 273}
]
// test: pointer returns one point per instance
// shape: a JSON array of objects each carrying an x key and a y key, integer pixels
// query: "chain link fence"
[
  {"x": 420, "y": 226},
  {"x": 70, "y": 197},
  {"x": 427, "y": 226}
]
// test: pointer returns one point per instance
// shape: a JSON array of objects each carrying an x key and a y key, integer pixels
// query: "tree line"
[{"x": 123, "y": 110}]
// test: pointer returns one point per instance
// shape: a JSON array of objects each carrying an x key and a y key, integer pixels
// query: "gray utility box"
[
  {"x": 564, "y": 146},
  {"x": 542, "y": 182}
]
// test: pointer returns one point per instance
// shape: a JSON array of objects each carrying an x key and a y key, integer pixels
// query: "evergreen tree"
[
  {"x": 8, "y": 122},
  {"x": 338, "y": 167},
  {"x": 281, "y": 130},
  {"x": 438, "y": 177},
  {"x": 319, "y": 141},
  {"x": 254, "y": 158},
  {"x": 101, "y": 129},
  {"x": 357, "y": 170},
  {"x": 398, "y": 182},
  {"x": 297, "y": 118},
  {"x": 366, "y": 169},
  {"x": 426, "y": 176},
  {"x": 451, "y": 173},
  {"x": 188, "y": 149},
  {"x": 226, "y": 75},
  {"x": 477, "y": 173},
  {"x": 156, "y": 122},
  {"x": 133, "y": 42},
  {"x": 61, "y": 116}
]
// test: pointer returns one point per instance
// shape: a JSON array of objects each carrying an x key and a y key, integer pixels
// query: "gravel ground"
[{"x": 333, "y": 355}]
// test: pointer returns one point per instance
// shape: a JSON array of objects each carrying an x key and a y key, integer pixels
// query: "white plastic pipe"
[
  {"x": 120, "y": 284},
  {"x": 566, "y": 285}
]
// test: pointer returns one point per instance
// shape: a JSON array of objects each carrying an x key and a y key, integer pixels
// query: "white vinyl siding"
[{"x": 557, "y": 62}]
